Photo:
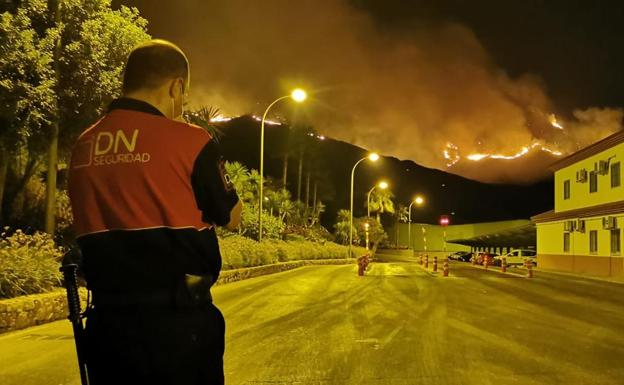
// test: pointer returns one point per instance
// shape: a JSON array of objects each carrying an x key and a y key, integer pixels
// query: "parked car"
[
  {"x": 517, "y": 257},
  {"x": 463, "y": 256},
  {"x": 480, "y": 257}
]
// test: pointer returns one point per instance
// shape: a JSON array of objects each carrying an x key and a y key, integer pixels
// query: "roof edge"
[{"x": 592, "y": 149}]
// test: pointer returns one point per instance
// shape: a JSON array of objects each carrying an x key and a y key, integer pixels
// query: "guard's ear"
[
  {"x": 172, "y": 87},
  {"x": 176, "y": 86}
]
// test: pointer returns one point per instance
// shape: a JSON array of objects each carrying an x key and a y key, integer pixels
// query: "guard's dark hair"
[{"x": 151, "y": 63}]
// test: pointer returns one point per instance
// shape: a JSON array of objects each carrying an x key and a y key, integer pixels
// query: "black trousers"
[{"x": 156, "y": 346}]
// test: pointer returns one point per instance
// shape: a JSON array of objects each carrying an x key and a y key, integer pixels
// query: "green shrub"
[
  {"x": 238, "y": 251},
  {"x": 28, "y": 264}
]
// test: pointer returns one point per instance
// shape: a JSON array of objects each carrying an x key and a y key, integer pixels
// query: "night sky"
[
  {"x": 575, "y": 46},
  {"x": 410, "y": 78}
]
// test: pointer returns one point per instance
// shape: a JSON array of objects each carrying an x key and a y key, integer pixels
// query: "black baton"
[{"x": 70, "y": 277}]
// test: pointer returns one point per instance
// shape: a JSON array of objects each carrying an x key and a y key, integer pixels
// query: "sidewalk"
[
  {"x": 521, "y": 271},
  {"x": 619, "y": 280}
]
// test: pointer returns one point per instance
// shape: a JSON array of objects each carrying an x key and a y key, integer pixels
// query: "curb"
[
  {"x": 235, "y": 275},
  {"x": 498, "y": 271},
  {"x": 37, "y": 309}
]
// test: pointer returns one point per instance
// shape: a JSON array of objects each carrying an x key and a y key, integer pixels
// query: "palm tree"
[
  {"x": 381, "y": 202},
  {"x": 401, "y": 215},
  {"x": 203, "y": 117},
  {"x": 342, "y": 228},
  {"x": 287, "y": 209},
  {"x": 317, "y": 210},
  {"x": 241, "y": 179}
]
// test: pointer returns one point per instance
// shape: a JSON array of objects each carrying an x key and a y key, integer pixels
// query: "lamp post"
[
  {"x": 373, "y": 157},
  {"x": 382, "y": 185},
  {"x": 366, "y": 228},
  {"x": 419, "y": 201},
  {"x": 444, "y": 221},
  {"x": 298, "y": 95}
]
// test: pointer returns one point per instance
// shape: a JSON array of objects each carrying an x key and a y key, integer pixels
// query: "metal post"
[
  {"x": 409, "y": 226},
  {"x": 351, "y": 206},
  {"x": 261, "y": 184}
]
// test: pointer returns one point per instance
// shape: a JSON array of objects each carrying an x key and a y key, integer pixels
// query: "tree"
[
  {"x": 376, "y": 232},
  {"x": 401, "y": 215},
  {"x": 341, "y": 228},
  {"x": 203, "y": 117},
  {"x": 26, "y": 94},
  {"x": 89, "y": 43},
  {"x": 317, "y": 210},
  {"x": 381, "y": 202}
]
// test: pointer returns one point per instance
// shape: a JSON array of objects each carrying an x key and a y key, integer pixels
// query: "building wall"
[
  {"x": 580, "y": 196},
  {"x": 550, "y": 245}
]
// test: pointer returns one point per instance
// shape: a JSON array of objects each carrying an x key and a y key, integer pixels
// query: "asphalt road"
[{"x": 398, "y": 325}]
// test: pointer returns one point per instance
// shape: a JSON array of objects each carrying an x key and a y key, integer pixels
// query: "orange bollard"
[
  {"x": 486, "y": 261},
  {"x": 435, "y": 264},
  {"x": 529, "y": 269},
  {"x": 504, "y": 265},
  {"x": 426, "y": 261},
  {"x": 446, "y": 268}
]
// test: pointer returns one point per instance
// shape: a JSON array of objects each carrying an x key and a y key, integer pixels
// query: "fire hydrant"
[
  {"x": 426, "y": 261},
  {"x": 446, "y": 268},
  {"x": 504, "y": 265},
  {"x": 435, "y": 264},
  {"x": 363, "y": 262}
]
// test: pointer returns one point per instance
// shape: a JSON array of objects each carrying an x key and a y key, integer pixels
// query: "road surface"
[{"x": 398, "y": 325}]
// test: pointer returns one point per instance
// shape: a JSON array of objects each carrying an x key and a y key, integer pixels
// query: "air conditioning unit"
[
  {"x": 581, "y": 176},
  {"x": 580, "y": 225},
  {"x": 569, "y": 226},
  {"x": 603, "y": 167},
  {"x": 609, "y": 223}
]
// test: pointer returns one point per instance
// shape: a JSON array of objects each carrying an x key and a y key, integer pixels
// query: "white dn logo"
[{"x": 106, "y": 142}]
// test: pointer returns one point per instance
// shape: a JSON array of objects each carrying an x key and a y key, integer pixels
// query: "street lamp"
[
  {"x": 373, "y": 157},
  {"x": 419, "y": 202},
  {"x": 382, "y": 185},
  {"x": 298, "y": 95}
]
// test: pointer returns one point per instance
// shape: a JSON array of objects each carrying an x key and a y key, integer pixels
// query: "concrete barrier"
[{"x": 30, "y": 310}]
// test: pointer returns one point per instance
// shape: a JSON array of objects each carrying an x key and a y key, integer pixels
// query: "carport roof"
[{"x": 522, "y": 236}]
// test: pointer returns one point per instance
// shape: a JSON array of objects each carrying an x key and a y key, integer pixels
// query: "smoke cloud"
[{"x": 404, "y": 94}]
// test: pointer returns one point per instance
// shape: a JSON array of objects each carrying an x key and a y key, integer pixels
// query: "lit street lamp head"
[
  {"x": 298, "y": 95},
  {"x": 419, "y": 200},
  {"x": 373, "y": 157},
  {"x": 383, "y": 185}
]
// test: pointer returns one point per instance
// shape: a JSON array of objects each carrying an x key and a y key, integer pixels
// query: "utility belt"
[{"x": 193, "y": 292}]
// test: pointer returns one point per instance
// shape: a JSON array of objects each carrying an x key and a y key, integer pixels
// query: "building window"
[
  {"x": 566, "y": 242},
  {"x": 566, "y": 189},
  {"x": 615, "y": 174},
  {"x": 593, "y": 182},
  {"x": 593, "y": 241},
  {"x": 615, "y": 241}
]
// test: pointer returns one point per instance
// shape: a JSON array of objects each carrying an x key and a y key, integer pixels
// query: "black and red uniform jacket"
[{"x": 146, "y": 195}]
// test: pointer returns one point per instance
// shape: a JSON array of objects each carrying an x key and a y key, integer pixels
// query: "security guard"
[{"x": 147, "y": 191}]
